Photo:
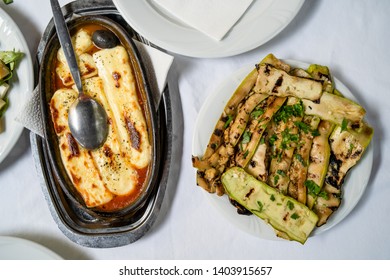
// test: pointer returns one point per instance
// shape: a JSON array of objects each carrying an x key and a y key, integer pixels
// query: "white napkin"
[
  {"x": 157, "y": 65},
  {"x": 212, "y": 17}
]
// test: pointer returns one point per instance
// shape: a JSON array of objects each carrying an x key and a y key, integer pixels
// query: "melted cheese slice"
[
  {"x": 117, "y": 173},
  {"x": 82, "y": 43},
  {"x": 78, "y": 162},
  {"x": 120, "y": 87},
  {"x": 86, "y": 65}
]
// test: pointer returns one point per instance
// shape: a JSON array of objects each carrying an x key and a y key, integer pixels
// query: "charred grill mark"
[
  {"x": 317, "y": 101},
  {"x": 224, "y": 119},
  {"x": 323, "y": 76},
  {"x": 73, "y": 147},
  {"x": 355, "y": 125},
  {"x": 55, "y": 116},
  {"x": 267, "y": 69},
  {"x": 116, "y": 76},
  {"x": 214, "y": 146},
  {"x": 107, "y": 151},
  {"x": 241, "y": 210},
  {"x": 357, "y": 153},
  {"x": 89, "y": 69},
  {"x": 218, "y": 132},
  {"x": 133, "y": 133},
  {"x": 250, "y": 192},
  {"x": 278, "y": 83},
  {"x": 333, "y": 176},
  {"x": 76, "y": 180},
  {"x": 260, "y": 130},
  {"x": 200, "y": 173},
  {"x": 67, "y": 80}
]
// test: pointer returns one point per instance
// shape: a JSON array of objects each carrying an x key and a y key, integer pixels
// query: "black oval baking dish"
[{"x": 47, "y": 88}]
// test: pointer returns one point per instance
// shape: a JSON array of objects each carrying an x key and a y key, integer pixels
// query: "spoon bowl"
[{"x": 86, "y": 119}]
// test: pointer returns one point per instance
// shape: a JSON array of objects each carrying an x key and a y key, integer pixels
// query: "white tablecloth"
[{"x": 351, "y": 37}]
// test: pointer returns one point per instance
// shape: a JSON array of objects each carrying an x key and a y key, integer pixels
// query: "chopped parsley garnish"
[
  {"x": 290, "y": 205},
  {"x": 281, "y": 172},
  {"x": 288, "y": 138},
  {"x": 246, "y": 137},
  {"x": 315, "y": 132},
  {"x": 288, "y": 111},
  {"x": 300, "y": 159},
  {"x": 229, "y": 120},
  {"x": 315, "y": 190},
  {"x": 272, "y": 197},
  {"x": 260, "y": 206},
  {"x": 344, "y": 124},
  {"x": 303, "y": 126},
  {"x": 257, "y": 113},
  {"x": 295, "y": 216},
  {"x": 312, "y": 187},
  {"x": 306, "y": 128},
  {"x": 272, "y": 139},
  {"x": 276, "y": 179},
  {"x": 351, "y": 147}
]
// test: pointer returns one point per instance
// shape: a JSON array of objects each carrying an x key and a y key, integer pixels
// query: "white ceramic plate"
[
  {"x": 13, "y": 248},
  {"x": 21, "y": 84},
  {"x": 353, "y": 187},
  {"x": 263, "y": 20}
]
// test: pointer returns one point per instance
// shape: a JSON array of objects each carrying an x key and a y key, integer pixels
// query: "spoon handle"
[{"x": 66, "y": 44}]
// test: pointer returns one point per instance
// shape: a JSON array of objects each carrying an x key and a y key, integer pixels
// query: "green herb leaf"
[
  {"x": 260, "y": 206},
  {"x": 257, "y": 113},
  {"x": 300, "y": 159},
  {"x": 344, "y": 124},
  {"x": 276, "y": 179},
  {"x": 288, "y": 111},
  {"x": 288, "y": 138},
  {"x": 303, "y": 126},
  {"x": 281, "y": 172},
  {"x": 324, "y": 195},
  {"x": 295, "y": 216},
  {"x": 272, "y": 197},
  {"x": 315, "y": 132},
  {"x": 229, "y": 120},
  {"x": 246, "y": 137},
  {"x": 312, "y": 187},
  {"x": 290, "y": 205},
  {"x": 272, "y": 139}
]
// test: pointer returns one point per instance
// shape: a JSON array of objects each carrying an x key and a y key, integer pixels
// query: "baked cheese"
[
  {"x": 120, "y": 87},
  {"x": 112, "y": 170}
]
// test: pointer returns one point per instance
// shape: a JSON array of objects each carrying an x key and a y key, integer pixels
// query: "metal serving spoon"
[{"x": 87, "y": 118}]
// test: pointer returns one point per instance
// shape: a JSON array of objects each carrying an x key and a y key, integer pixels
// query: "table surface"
[{"x": 351, "y": 37}]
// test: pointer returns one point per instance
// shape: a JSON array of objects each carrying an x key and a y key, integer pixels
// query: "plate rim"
[
  {"x": 27, "y": 63},
  {"x": 284, "y": 12},
  {"x": 268, "y": 233},
  {"x": 31, "y": 245}
]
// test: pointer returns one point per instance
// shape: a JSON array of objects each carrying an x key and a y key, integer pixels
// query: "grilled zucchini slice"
[{"x": 283, "y": 213}]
